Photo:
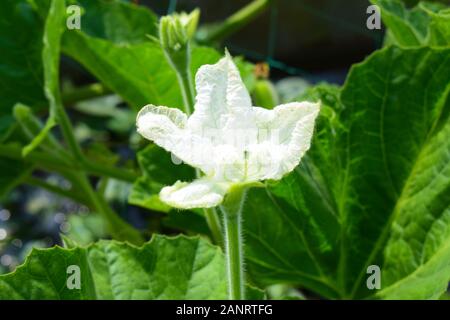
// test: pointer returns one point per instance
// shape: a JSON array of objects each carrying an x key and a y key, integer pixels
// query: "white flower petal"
[
  {"x": 178, "y": 117},
  {"x": 290, "y": 129},
  {"x": 165, "y": 127},
  {"x": 222, "y": 101},
  {"x": 201, "y": 193},
  {"x": 160, "y": 124},
  {"x": 229, "y": 163},
  {"x": 230, "y": 141}
]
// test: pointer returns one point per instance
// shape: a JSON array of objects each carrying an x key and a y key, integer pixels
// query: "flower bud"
[
  {"x": 189, "y": 22},
  {"x": 171, "y": 34},
  {"x": 175, "y": 33},
  {"x": 177, "y": 29}
]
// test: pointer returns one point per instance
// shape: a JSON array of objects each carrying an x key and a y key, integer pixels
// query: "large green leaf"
[
  {"x": 425, "y": 24},
  {"x": 21, "y": 44},
  {"x": 399, "y": 173},
  {"x": 291, "y": 229},
  {"x": 117, "y": 21},
  {"x": 137, "y": 72},
  {"x": 21, "y": 74},
  {"x": 440, "y": 27},
  {"x": 374, "y": 188},
  {"x": 164, "y": 268},
  {"x": 27, "y": 53},
  {"x": 124, "y": 58},
  {"x": 118, "y": 51},
  {"x": 50, "y": 60}
]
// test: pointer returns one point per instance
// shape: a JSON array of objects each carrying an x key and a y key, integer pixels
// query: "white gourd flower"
[{"x": 228, "y": 140}]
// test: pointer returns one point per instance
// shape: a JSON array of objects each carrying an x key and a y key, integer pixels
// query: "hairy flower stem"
[
  {"x": 232, "y": 208},
  {"x": 187, "y": 90}
]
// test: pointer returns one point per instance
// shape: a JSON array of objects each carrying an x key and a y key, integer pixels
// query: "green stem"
[
  {"x": 90, "y": 91},
  {"x": 185, "y": 85},
  {"x": 41, "y": 159},
  {"x": 183, "y": 72},
  {"x": 32, "y": 126},
  {"x": 87, "y": 92},
  {"x": 232, "y": 211},
  {"x": 109, "y": 171},
  {"x": 67, "y": 130},
  {"x": 236, "y": 21},
  {"x": 44, "y": 161},
  {"x": 212, "y": 219}
]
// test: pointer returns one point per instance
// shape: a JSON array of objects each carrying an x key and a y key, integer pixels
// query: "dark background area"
[{"x": 315, "y": 39}]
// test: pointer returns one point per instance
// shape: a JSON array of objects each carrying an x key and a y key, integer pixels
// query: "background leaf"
[
  {"x": 425, "y": 24},
  {"x": 165, "y": 268},
  {"x": 374, "y": 187},
  {"x": 128, "y": 61},
  {"x": 117, "y": 21},
  {"x": 20, "y": 59},
  {"x": 50, "y": 61},
  {"x": 137, "y": 72},
  {"x": 291, "y": 229}
]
